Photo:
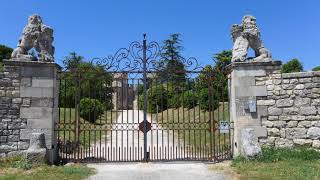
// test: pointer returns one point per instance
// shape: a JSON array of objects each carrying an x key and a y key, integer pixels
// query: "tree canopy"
[
  {"x": 293, "y": 65},
  {"x": 84, "y": 79},
  {"x": 171, "y": 65},
  {"x": 5, "y": 52},
  {"x": 317, "y": 68}
]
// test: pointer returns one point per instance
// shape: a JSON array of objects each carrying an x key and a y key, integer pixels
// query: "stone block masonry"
[
  {"x": 28, "y": 104},
  {"x": 293, "y": 103},
  {"x": 246, "y": 109},
  {"x": 10, "y": 103}
]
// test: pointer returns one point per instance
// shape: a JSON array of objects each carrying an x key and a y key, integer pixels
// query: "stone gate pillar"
[
  {"x": 245, "y": 110},
  {"x": 37, "y": 97}
]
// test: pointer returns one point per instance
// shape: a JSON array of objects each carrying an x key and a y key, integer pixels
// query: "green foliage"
[
  {"x": 317, "y": 68},
  {"x": 222, "y": 59},
  {"x": 17, "y": 167},
  {"x": 171, "y": 66},
  {"x": 157, "y": 99},
  {"x": 207, "y": 100},
  {"x": 214, "y": 78},
  {"x": 282, "y": 154},
  {"x": 174, "y": 90},
  {"x": 22, "y": 164},
  {"x": 90, "y": 109},
  {"x": 72, "y": 61},
  {"x": 189, "y": 99},
  {"x": 9, "y": 161},
  {"x": 84, "y": 79},
  {"x": 77, "y": 170},
  {"x": 174, "y": 101},
  {"x": 140, "y": 89},
  {"x": 212, "y": 88},
  {"x": 293, "y": 65},
  {"x": 18, "y": 161},
  {"x": 296, "y": 163},
  {"x": 5, "y": 52}
]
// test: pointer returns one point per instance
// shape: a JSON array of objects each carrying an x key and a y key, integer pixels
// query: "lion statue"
[
  {"x": 35, "y": 35},
  {"x": 248, "y": 35}
]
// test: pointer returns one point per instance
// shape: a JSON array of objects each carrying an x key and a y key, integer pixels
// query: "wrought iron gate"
[{"x": 126, "y": 107}]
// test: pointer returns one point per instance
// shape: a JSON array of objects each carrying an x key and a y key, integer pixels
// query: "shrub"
[
  {"x": 174, "y": 101},
  {"x": 189, "y": 99},
  {"x": 90, "y": 109},
  {"x": 157, "y": 97},
  {"x": 292, "y": 66},
  {"x": 316, "y": 68},
  {"x": 204, "y": 102},
  {"x": 22, "y": 164}
]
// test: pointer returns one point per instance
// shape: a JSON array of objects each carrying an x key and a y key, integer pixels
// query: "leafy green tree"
[
  {"x": 293, "y": 65},
  {"x": 171, "y": 67},
  {"x": 72, "y": 61},
  {"x": 222, "y": 59},
  {"x": 212, "y": 82},
  {"x": 5, "y": 52},
  {"x": 84, "y": 80},
  {"x": 157, "y": 99},
  {"x": 317, "y": 68}
]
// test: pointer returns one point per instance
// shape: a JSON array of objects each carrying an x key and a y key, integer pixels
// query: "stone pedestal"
[
  {"x": 245, "y": 113},
  {"x": 38, "y": 92},
  {"x": 36, "y": 153}
]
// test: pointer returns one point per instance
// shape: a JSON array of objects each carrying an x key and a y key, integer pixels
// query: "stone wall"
[
  {"x": 28, "y": 104},
  {"x": 293, "y": 109},
  {"x": 243, "y": 94},
  {"x": 11, "y": 124}
]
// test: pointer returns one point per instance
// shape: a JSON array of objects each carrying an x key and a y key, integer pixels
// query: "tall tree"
[{"x": 171, "y": 65}]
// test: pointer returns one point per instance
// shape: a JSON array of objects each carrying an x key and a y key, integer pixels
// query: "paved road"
[{"x": 155, "y": 171}]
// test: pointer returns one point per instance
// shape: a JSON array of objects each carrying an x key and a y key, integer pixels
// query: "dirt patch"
[{"x": 225, "y": 168}]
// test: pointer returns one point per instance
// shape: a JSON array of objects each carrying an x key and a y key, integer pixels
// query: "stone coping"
[
  {"x": 24, "y": 62},
  {"x": 301, "y": 74},
  {"x": 251, "y": 63}
]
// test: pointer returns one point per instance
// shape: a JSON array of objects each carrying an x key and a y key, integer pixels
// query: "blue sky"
[{"x": 97, "y": 28}]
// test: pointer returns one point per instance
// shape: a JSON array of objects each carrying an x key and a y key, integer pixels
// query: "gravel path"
[
  {"x": 130, "y": 143},
  {"x": 155, "y": 171}
]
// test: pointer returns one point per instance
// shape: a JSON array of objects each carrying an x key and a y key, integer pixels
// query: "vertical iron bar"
[{"x": 145, "y": 96}]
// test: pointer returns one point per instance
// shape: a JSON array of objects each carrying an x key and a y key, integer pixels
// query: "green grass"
[
  {"x": 89, "y": 132},
  {"x": 291, "y": 164},
  {"x": 11, "y": 169},
  {"x": 197, "y": 117}
]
